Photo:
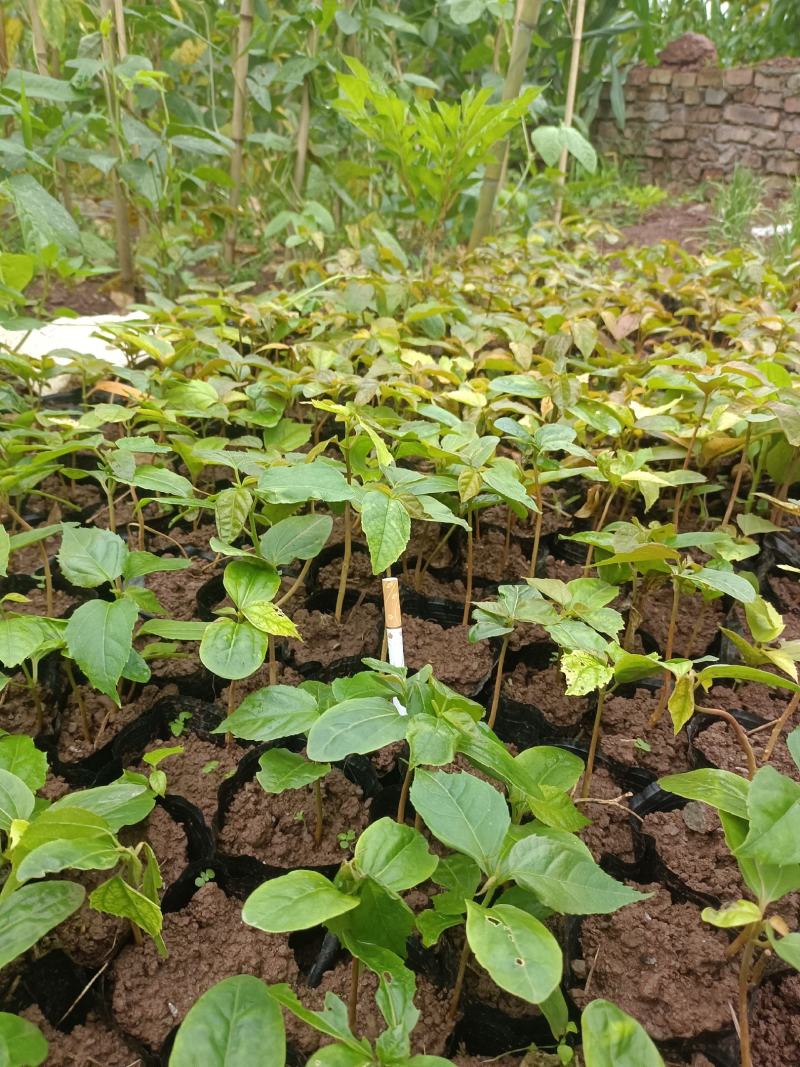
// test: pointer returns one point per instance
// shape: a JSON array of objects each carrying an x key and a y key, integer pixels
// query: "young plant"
[{"x": 761, "y": 822}]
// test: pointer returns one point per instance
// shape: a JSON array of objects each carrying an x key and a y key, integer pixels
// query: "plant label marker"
[{"x": 394, "y": 628}]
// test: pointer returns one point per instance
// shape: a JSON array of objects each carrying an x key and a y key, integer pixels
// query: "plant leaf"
[
  {"x": 394, "y": 855},
  {"x": 32, "y": 911},
  {"x": 99, "y": 635},
  {"x": 517, "y": 950},
  {"x": 361, "y": 725},
  {"x": 613, "y": 1039},
  {"x": 233, "y": 649},
  {"x": 295, "y": 901}
]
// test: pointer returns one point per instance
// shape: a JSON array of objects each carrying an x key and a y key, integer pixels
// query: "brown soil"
[
  {"x": 463, "y": 1060},
  {"x": 610, "y": 831},
  {"x": 36, "y": 604},
  {"x": 359, "y": 575},
  {"x": 326, "y": 641},
  {"x": 436, "y": 588},
  {"x": 489, "y": 560},
  {"x": 526, "y": 634},
  {"x": 259, "y": 680},
  {"x": 755, "y": 699},
  {"x": 697, "y": 626},
  {"x": 661, "y": 963},
  {"x": 775, "y": 1027},
  {"x": 456, "y": 661},
  {"x": 54, "y": 787},
  {"x": 279, "y": 830},
  {"x": 544, "y": 689},
  {"x": 692, "y": 845},
  {"x": 179, "y": 668},
  {"x": 625, "y": 719},
  {"x": 553, "y": 519},
  {"x": 207, "y": 941},
  {"x": 684, "y": 223},
  {"x": 177, "y": 590},
  {"x": 167, "y": 839},
  {"x": 18, "y": 712},
  {"x": 94, "y": 1043},
  {"x": 90, "y": 937},
  {"x": 198, "y": 538},
  {"x": 786, "y": 591},
  {"x": 425, "y": 539},
  {"x": 559, "y": 568},
  {"x": 429, "y": 1037},
  {"x": 197, "y": 773},
  {"x": 89, "y": 297},
  {"x": 718, "y": 745},
  {"x": 105, "y": 719}
]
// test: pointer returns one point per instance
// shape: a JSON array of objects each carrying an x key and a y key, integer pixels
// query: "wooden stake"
[{"x": 240, "y": 67}]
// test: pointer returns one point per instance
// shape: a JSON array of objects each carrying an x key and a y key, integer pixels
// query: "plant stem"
[
  {"x": 676, "y": 516},
  {"x": 498, "y": 681},
  {"x": 352, "y": 1003},
  {"x": 468, "y": 590},
  {"x": 240, "y": 65},
  {"x": 744, "y": 984},
  {"x": 599, "y": 526},
  {"x": 739, "y": 732},
  {"x": 777, "y": 729},
  {"x": 740, "y": 468},
  {"x": 318, "y": 813},
  {"x": 440, "y": 544},
  {"x": 572, "y": 91},
  {"x": 462, "y": 970},
  {"x": 295, "y": 585},
  {"x": 85, "y": 727},
  {"x": 273, "y": 666},
  {"x": 48, "y": 574},
  {"x": 401, "y": 804},
  {"x": 345, "y": 563},
  {"x": 231, "y": 708},
  {"x": 537, "y": 528},
  {"x": 666, "y": 686},
  {"x": 633, "y": 614},
  {"x": 598, "y": 716},
  {"x": 507, "y": 539}
]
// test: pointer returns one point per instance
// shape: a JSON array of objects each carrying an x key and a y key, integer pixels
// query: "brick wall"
[{"x": 683, "y": 126}]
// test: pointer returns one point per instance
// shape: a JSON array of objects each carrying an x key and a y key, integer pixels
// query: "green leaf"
[
  {"x": 613, "y": 1039},
  {"x": 561, "y": 871},
  {"x": 787, "y": 948},
  {"x": 24, "y": 1043},
  {"x": 332, "y": 1021},
  {"x": 464, "y": 813},
  {"x": 41, "y": 217},
  {"x": 89, "y": 556},
  {"x": 722, "y": 790},
  {"x": 282, "y": 769},
  {"x": 250, "y": 581},
  {"x": 387, "y": 526},
  {"x": 20, "y": 637},
  {"x": 31, "y": 912},
  {"x": 681, "y": 701},
  {"x": 120, "y": 804},
  {"x": 233, "y": 649},
  {"x": 16, "y": 799},
  {"x": 116, "y": 897},
  {"x": 5, "y": 550},
  {"x": 295, "y": 901},
  {"x": 99, "y": 636},
  {"x": 738, "y": 913},
  {"x": 744, "y": 674},
  {"x": 431, "y": 741},
  {"x": 300, "y": 482},
  {"x": 160, "y": 480},
  {"x": 140, "y": 563},
  {"x": 725, "y": 582},
  {"x": 363, "y": 724},
  {"x": 231, "y": 1025},
  {"x": 270, "y": 619},
  {"x": 339, "y": 1056},
  {"x": 584, "y": 673},
  {"x": 298, "y": 537},
  {"x": 394, "y": 855},
  {"x": 20, "y": 756},
  {"x": 271, "y": 713},
  {"x": 89, "y": 854},
  {"x": 231, "y": 510},
  {"x": 173, "y": 629},
  {"x": 518, "y": 951},
  {"x": 774, "y": 813}
]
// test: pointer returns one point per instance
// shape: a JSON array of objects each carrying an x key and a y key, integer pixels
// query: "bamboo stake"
[
  {"x": 120, "y": 200},
  {"x": 304, "y": 121},
  {"x": 240, "y": 67},
  {"x": 39, "y": 40},
  {"x": 524, "y": 25},
  {"x": 3, "y": 42},
  {"x": 572, "y": 91}
]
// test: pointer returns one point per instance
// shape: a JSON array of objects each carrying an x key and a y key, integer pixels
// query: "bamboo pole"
[
  {"x": 237, "y": 125},
  {"x": 120, "y": 200},
  {"x": 3, "y": 42},
  {"x": 524, "y": 25},
  {"x": 572, "y": 91}
]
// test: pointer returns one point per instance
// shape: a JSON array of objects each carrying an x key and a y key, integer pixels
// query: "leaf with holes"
[{"x": 517, "y": 950}]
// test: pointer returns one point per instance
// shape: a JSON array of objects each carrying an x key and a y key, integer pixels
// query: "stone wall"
[{"x": 683, "y": 125}]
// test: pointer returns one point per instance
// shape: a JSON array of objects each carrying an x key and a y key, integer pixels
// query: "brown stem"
[
  {"x": 301, "y": 577},
  {"x": 440, "y": 544},
  {"x": 231, "y": 708},
  {"x": 537, "y": 528},
  {"x": 401, "y": 804},
  {"x": 318, "y": 814},
  {"x": 777, "y": 730},
  {"x": 744, "y": 985},
  {"x": 238, "y": 120},
  {"x": 698, "y": 622},
  {"x": 468, "y": 591},
  {"x": 273, "y": 666},
  {"x": 462, "y": 970},
  {"x": 666, "y": 684},
  {"x": 741, "y": 736},
  {"x": 633, "y": 614},
  {"x": 599, "y": 526},
  {"x": 740, "y": 469},
  {"x": 48, "y": 574},
  {"x": 345, "y": 563},
  {"x": 498, "y": 682},
  {"x": 507, "y": 539},
  {"x": 417, "y": 571},
  {"x": 85, "y": 727},
  {"x": 352, "y": 1003},
  {"x": 598, "y": 717},
  {"x": 676, "y": 511}
]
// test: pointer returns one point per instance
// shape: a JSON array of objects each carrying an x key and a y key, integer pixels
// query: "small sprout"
[
  {"x": 212, "y": 765},
  {"x": 346, "y": 838},
  {"x": 203, "y": 877},
  {"x": 299, "y": 816},
  {"x": 178, "y": 724},
  {"x": 642, "y": 745}
]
